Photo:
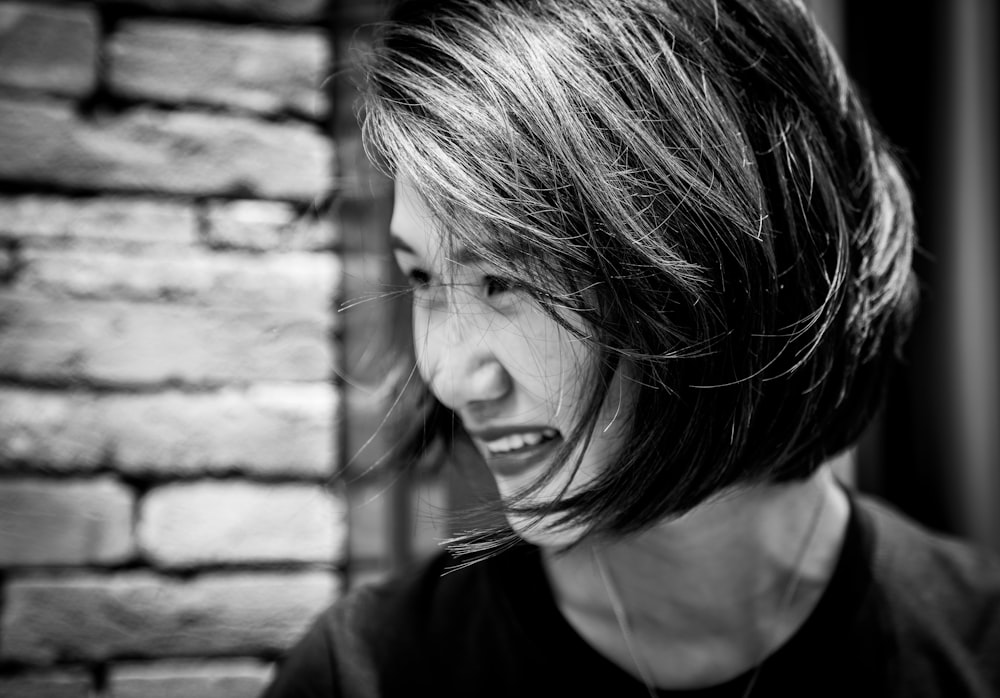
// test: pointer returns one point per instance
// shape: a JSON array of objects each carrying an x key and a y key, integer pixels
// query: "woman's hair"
[{"x": 699, "y": 183}]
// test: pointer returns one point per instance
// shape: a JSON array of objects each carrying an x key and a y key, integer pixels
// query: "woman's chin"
[{"x": 543, "y": 532}]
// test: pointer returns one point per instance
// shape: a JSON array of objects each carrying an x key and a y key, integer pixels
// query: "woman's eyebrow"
[{"x": 464, "y": 256}]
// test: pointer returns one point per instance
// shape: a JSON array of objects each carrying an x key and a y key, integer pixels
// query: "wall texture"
[{"x": 184, "y": 412}]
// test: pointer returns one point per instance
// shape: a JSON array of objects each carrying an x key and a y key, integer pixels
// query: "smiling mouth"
[
  {"x": 513, "y": 454},
  {"x": 514, "y": 443}
]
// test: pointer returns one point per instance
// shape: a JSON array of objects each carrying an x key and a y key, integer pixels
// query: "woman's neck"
[{"x": 709, "y": 595}]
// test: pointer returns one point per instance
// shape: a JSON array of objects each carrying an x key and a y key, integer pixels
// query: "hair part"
[{"x": 699, "y": 183}]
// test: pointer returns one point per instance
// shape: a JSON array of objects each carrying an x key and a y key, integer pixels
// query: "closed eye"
[
  {"x": 417, "y": 277},
  {"x": 495, "y": 285}
]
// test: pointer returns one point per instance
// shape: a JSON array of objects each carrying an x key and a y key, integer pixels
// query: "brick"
[
  {"x": 139, "y": 614},
  {"x": 48, "y": 49},
  {"x": 54, "y": 431},
  {"x": 147, "y": 149},
  {"x": 188, "y": 524},
  {"x": 129, "y": 343},
  {"x": 177, "y": 679},
  {"x": 57, "y": 522},
  {"x": 263, "y": 70},
  {"x": 370, "y": 507},
  {"x": 267, "y": 225},
  {"x": 281, "y": 429},
  {"x": 296, "y": 282},
  {"x": 109, "y": 220},
  {"x": 63, "y": 683}
]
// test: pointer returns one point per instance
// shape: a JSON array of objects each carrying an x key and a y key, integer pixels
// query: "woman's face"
[{"x": 512, "y": 374}]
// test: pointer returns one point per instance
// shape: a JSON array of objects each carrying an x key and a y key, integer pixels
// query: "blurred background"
[{"x": 192, "y": 315}]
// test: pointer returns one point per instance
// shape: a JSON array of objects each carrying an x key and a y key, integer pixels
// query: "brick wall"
[{"x": 190, "y": 459}]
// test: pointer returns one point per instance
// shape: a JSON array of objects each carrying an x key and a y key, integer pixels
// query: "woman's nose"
[
  {"x": 468, "y": 383},
  {"x": 461, "y": 369}
]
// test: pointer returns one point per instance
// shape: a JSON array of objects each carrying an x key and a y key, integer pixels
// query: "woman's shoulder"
[
  {"x": 423, "y": 595},
  {"x": 928, "y": 563},
  {"x": 376, "y": 611},
  {"x": 393, "y": 626},
  {"x": 940, "y": 594}
]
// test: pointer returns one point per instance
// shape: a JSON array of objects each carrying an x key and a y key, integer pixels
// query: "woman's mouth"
[
  {"x": 518, "y": 441},
  {"x": 515, "y": 452}
]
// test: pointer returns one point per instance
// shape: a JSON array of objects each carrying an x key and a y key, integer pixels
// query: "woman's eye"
[
  {"x": 494, "y": 285},
  {"x": 418, "y": 278}
]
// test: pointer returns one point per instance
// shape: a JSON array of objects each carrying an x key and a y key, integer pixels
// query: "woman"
[{"x": 660, "y": 262}]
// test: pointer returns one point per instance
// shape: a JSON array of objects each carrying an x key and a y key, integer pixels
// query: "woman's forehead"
[
  {"x": 415, "y": 231},
  {"x": 412, "y": 226}
]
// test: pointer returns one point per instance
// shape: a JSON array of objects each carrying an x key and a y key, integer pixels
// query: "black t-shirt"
[{"x": 906, "y": 613}]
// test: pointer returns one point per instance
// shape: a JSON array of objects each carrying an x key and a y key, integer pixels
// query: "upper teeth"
[{"x": 513, "y": 442}]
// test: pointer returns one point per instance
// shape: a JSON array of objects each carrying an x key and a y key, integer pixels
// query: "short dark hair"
[{"x": 700, "y": 182}]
